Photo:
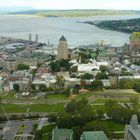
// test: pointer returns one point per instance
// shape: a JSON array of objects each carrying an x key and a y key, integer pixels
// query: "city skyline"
[{"x": 73, "y": 4}]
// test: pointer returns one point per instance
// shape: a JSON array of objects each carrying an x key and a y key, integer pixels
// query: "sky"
[{"x": 74, "y": 4}]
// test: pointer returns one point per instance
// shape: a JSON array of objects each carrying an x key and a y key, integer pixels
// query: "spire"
[
  {"x": 134, "y": 122},
  {"x": 62, "y": 38}
]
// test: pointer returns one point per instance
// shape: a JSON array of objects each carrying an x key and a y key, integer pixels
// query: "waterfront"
[{"x": 52, "y": 28}]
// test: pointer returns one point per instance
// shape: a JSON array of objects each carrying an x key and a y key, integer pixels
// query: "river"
[{"x": 51, "y": 28}]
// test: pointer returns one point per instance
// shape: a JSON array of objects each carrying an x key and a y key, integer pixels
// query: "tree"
[
  {"x": 97, "y": 85},
  {"x": 34, "y": 71},
  {"x": 87, "y": 76},
  {"x": 71, "y": 107},
  {"x": 65, "y": 121},
  {"x": 126, "y": 84},
  {"x": 103, "y": 68},
  {"x": 101, "y": 75},
  {"x": 126, "y": 73},
  {"x": 74, "y": 69},
  {"x": 55, "y": 67},
  {"x": 38, "y": 135},
  {"x": 137, "y": 85},
  {"x": 82, "y": 103},
  {"x": 22, "y": 67},
  {"x": 52, "y": 118},
  {"x": 16, "y": 87},
  {"x": 42, "y": 88},
  {"x": 60, "y": 81},
  {"x": 87, "y": 113}
]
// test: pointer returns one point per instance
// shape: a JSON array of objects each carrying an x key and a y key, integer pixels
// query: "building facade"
[{"x": 62, "y": 52}]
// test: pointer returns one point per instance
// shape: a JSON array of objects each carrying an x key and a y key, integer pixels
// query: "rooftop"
[
  {"x": 62, "y": 38},
  {"x": 93, "y": 135},
  {"x": 62, "y": 134},
  {"x": 134, "y": 127}
]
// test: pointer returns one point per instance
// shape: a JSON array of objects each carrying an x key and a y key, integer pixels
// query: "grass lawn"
[
  {"x": 9, "y": 95},
  {"x": 108, "y": 124},
  {"x": 86, "y": 95},
  {"x": 57, "y": 96},
  {"x": 12, "y": 108},
  {"x": 121, "y": 91},
  {"x": 103, "y": 100},
  {"x": 98, "y": 107},
  {"x": 46, "y": 108}
]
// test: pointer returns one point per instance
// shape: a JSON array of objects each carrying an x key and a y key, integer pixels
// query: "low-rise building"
[
  {"x": 93, "y": 135},
  {"x": 62, "y": 134}
]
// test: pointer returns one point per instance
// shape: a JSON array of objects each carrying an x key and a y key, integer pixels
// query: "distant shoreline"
[
  {"x": 126, "y": 26},
  {"x": 76, "y": 13}
]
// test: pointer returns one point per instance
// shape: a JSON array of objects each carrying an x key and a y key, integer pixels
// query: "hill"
[{"x": 127, "y": 26}]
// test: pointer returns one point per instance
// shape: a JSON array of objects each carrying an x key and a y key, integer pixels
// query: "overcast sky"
[{"x": 74, "y": 4}]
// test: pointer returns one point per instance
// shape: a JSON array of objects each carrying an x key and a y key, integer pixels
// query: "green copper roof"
[
  {"x": 62, "y": 134},
  {"x": 94, "y": 135}
]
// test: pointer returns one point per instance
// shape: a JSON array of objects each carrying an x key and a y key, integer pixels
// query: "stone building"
[
  {"x": 135, "y": 46},
  {"x": 11, "y": 64},
  {"x": 132, "y": 131},
  {"x": 62, "y": 52}
]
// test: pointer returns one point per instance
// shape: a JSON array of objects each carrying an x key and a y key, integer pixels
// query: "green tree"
[
  {"x": 60, "y": 81},
  {"x": 97, "y": 85},
  {"x": 16, "y": 87},
  {"x": 137, "y": 85},
  {"x": 87, "y": 113},
  {"x": 22, "y": 67},
  {"x": 74, "y": 69},
  {"x": 71, "y": 107},
  {"x": 101, "y": 75},
  {"x": 55, "y": 67},
  {"x": 87, "y": 76},
  {"x": 103, "y": 68},
  {"x": 42, "y": 88},
  {"x": 126, "y": 84}
]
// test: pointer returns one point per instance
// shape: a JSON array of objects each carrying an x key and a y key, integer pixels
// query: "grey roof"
[
  {"x": 93, "y": 135},
  {"x": 134, "y": 127},
  {"x": 62, "y": 38},
  {"x": 134, "y": 122}
]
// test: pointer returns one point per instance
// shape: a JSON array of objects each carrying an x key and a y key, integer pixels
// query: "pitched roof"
[
  {"x": 62, "y": 134},
  {"x": 62, "y": 38},
  {"x": 93, "y": 135}
]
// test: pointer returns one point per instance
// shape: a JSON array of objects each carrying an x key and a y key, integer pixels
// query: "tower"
[
  {"x": 30, "y": 37},
  {"x": 36, "y": 38},
  {"x": 62, "y": 51}
]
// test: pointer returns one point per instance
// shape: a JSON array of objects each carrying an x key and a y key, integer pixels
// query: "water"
[{"x": 52, "y": 28}]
